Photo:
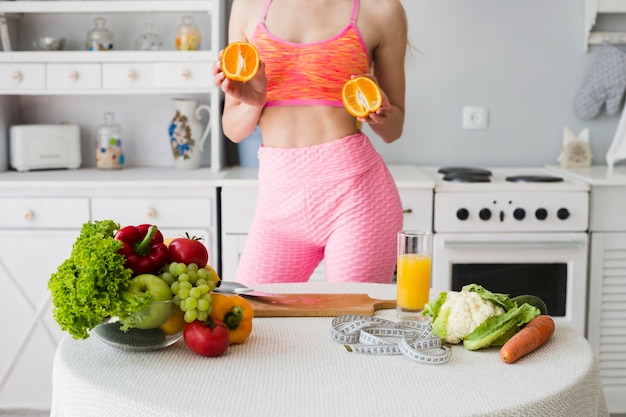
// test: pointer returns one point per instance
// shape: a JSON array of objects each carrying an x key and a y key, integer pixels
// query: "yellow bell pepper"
[{"x": 236, "y": 312}]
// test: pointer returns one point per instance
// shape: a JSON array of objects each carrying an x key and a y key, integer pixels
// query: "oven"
[{"x": 513, "y": 231}]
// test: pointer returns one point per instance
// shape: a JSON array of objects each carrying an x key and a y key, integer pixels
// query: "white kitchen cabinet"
[
  {"x": 122, "y": 71},
  {"x": 36, "y": 235},
  {"x": 41, "y": 214},
  {"x": 607, "y": 314},
  {"x": 239, "y": 192}
]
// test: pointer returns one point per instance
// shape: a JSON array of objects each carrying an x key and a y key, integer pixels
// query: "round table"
[{"x": 292, "y": 367}]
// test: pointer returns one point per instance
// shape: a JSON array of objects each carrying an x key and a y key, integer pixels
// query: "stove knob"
[
  {"x": 541, "y": 214},
  {"x": 562, "y": 214},
  {"x": 462, "y": 214},
  {"x": 484, "y": 214},
  {"x": 519, "y": 214}
]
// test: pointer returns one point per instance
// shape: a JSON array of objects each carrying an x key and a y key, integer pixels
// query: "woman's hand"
[
  {"x": 252, "y": 93},
  {"x": 380, "y": 115}
]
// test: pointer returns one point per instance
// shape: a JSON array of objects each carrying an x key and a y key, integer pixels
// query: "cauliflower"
[
  {"x": 461, "y": 313},
  {"x": 456, "y": 314}
]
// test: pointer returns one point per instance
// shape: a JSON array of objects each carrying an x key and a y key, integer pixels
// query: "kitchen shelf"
[
  {"x": 592, "y": 9},
  {"x": 109, "y": 56},
  {"x": 115, "y": 6}
]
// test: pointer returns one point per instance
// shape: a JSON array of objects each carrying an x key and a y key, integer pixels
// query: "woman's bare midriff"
[{"x": 301, "y": 126}]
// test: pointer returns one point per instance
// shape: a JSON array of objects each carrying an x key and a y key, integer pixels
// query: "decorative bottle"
[
  {"x": 99, "y": 38},
  {"x": 188, "y": 35},
  {"x": 149, "y": 40},
  {"x": 109, "y": 152}
]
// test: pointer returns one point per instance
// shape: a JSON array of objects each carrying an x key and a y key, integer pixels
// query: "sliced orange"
[
  {"x": 240, "y": 61},
  {"x": 361, "y": 96}
]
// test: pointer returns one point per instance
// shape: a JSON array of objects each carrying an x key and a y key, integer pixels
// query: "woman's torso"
[{"x": 297, "y": 24}]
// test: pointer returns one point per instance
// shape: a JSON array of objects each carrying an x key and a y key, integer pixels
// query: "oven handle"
[{"x": 499, "y": 244}]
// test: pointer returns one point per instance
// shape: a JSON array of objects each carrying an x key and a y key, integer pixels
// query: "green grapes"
[{"x": 191, "y": 287}]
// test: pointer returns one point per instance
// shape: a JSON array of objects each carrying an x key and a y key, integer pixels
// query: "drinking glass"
[{"x": 413, "y": 272}]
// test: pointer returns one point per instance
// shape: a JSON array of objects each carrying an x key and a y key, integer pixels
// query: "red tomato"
[
  {"x": 207, "y": 338},
  {"x": 188, "y": 250}
]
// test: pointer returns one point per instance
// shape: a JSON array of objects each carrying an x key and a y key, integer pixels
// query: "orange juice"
[{"x": 413, "y": 281}]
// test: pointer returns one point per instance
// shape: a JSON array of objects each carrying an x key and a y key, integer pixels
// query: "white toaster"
[{"x": 40, "y": 146}]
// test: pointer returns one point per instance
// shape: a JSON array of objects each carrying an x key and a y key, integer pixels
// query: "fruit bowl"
[{"x": 156, "y": 327}]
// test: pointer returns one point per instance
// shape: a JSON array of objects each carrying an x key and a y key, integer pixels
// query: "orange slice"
[
  {"x": 240, "y": 61},
  {"x": 361, "y": 96}
]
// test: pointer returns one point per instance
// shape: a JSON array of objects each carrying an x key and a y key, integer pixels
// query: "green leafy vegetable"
[
  {"x": 89, "y": 286},
  {"x": 497, "y": 330}
]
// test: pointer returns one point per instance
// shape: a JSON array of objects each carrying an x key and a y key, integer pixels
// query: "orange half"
[
  {"x": 361, "y": 96},
  {"x": 240, "y": 61}
]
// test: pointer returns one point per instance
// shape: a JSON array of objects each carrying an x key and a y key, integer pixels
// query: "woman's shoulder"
[
  {"x": 383, "y": 8},
  {"x": 245, "y": 15}
]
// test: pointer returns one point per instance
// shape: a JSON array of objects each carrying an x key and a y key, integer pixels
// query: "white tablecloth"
[{"x": 291, "y": 367}]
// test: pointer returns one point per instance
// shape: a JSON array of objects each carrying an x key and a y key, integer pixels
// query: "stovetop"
[
  {"x": 461, "y": 178},
  {"x": 495, "y": 200}
]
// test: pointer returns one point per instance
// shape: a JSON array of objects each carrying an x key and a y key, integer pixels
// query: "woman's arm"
[
  {"x": 243, "y": 102},
  {"x": 388, "y": 20}
]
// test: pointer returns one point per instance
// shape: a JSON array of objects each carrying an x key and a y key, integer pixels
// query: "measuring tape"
[{"x": 377, "y": 336}]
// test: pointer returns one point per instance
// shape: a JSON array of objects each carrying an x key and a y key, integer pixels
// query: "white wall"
[{"x": 523, "y": 59}]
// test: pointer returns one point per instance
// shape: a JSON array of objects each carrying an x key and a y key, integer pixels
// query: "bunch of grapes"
[{"x": 191, "y": 287}]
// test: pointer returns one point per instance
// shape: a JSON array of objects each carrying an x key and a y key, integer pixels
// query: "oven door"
[{"x": 552, "y": 266}]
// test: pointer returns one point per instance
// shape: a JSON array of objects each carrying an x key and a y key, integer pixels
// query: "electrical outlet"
[{"x": 475, "y": 118}]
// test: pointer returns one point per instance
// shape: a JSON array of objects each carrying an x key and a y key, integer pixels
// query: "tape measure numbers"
[{"x": 377, "y": 336}]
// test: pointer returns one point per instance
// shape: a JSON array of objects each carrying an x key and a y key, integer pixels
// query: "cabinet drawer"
[
  {"x": 163, "y": 212},
  {"x": 22, "y": 76},
  {"x": 417, "y": 206},
  {"x": 127, "y": 75},
  {"x": 54, "y": 213},
  {"x": 73, "y": 76},
  {"x": 184, "y": 75}
]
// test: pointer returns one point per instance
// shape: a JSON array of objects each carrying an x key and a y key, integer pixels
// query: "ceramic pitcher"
[{"x": 186, "y": 134}]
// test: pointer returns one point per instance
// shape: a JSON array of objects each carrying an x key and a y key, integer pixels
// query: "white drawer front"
[
  {"x": 22, "y": 76},
  {"x": 53, "y": 213},
  {"x": 128, "y": 75},
  {"x": 184, "y": 75},
  {"x": 73, "y": 76},
  {"x": 163, "y": 212},
  {"x": 417, "y": 206},
  {"x": 238, "y": 205}
]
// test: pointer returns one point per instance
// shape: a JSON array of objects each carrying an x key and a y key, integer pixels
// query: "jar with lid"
[
  {"x": 109, "y": 152},
  {"x": 149, "y": 40},
  {"x": 188, "y": 35},
  {"x": 99, "y": 38}
]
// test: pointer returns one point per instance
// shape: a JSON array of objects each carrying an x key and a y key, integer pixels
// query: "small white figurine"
[{"x": 576, "y": 150}]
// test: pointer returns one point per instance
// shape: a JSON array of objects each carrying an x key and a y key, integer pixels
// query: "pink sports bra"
[{"x": 310, "y": 73}]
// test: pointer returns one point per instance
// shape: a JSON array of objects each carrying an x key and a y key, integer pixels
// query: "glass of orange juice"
[{"x": 413, "y": 272}]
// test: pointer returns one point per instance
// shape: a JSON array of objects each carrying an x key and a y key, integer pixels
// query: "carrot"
[{"x": 533, "y": 335}]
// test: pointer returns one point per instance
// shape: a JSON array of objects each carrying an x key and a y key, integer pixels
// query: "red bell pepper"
[{"x": 143, "y": 248}]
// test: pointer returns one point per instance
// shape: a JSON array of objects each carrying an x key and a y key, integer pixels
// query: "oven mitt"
[{"x": 606, "y": 84}]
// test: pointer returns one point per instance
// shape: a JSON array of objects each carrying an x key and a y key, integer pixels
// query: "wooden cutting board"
[{"x": 316, "y": 305}]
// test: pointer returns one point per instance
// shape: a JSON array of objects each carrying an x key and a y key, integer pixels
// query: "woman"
[{"x": 324, "y": 192}]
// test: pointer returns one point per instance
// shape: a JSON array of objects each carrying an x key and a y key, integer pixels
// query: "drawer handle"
[
  {"x": 151, "y": 213},
  {"x": 407, "y": 211},
  {"x": 17, "y": 77},
  {"x": 29, "y": 215},
  {"x": 132, "y": 75},
  {"x": 73, "y": 76},
  {"x": 186, "y": 75}
]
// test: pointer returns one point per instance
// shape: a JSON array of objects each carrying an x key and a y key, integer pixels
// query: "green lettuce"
[{"x": 90, "y": 285}]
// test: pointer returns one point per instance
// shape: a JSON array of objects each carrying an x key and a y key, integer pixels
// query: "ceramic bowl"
[
  {"x": 49, "y": 43},
  {"x": 157, "y": 327}
]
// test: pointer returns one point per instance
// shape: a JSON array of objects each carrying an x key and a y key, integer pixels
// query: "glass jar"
[
  {"x": 99, "y": 38},
  {"x": 149, "y": 40},
  {"x": 188, "y": 35},
  {"x": 109, "y": 152}
]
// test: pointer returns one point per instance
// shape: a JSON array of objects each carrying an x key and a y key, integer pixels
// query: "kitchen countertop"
[
  {"x": 292, "y": 367},
  {"x": 597, "y": 175}
]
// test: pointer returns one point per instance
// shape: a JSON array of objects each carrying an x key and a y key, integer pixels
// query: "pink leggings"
[{"x": 336, "y": 201}]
